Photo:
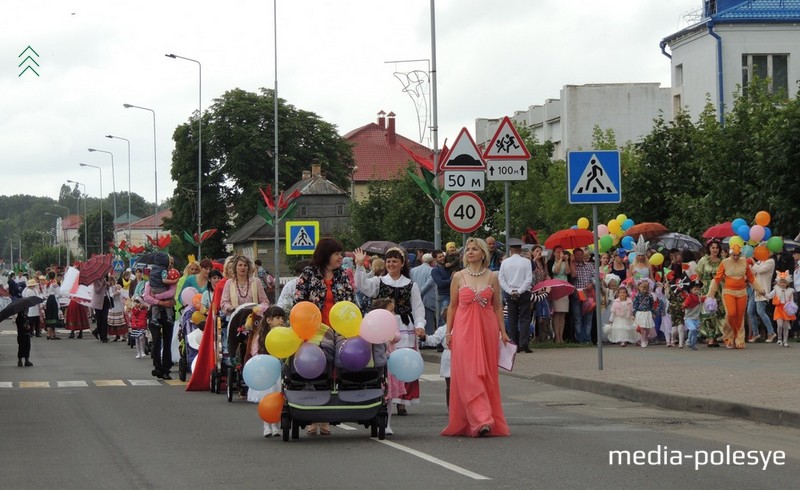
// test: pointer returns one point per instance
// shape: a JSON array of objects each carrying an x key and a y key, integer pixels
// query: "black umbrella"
[
  {"x": 19, "y": 304},
  {"x": 377, "y": 247},
  {"x": 413, "y": 245},
  {"x": 679, "y": 241}
]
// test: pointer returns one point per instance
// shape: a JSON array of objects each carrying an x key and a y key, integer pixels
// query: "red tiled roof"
[
  {"x": 376, "y": 158},
  {"x": 150, "y": 223},
  {"x": 71, "y": 222}
]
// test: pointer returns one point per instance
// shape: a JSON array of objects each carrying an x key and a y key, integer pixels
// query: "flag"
[{"x": 421, "y": 161}]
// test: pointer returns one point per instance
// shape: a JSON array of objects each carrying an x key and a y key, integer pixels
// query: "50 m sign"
[{"x": 465, "y": 212}]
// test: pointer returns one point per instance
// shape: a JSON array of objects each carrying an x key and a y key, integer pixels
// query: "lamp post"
[
  {"x": 113, "y": 188},
  {"x": 55, "y": 235},
  {"x": 129, "y": 180},
  {"x": 155, "y": 162},
  {"x": 101, "y": 202},
  {"x": 85, "y": 220},
  {"x": 199, "y": 147}
]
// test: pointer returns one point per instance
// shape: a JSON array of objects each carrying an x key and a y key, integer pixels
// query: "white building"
[{"x": 734, "y": 41}]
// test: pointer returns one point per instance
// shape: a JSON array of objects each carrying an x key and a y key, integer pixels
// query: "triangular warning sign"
[
  {"x": 594, "y": 179},
  {"x": 506, "y": 144},
  {"x": 464, "y": 155},
  {"x": 303, "y": 239}
]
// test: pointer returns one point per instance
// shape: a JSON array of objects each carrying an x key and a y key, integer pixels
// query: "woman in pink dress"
[{"x": 474, "y": 326}]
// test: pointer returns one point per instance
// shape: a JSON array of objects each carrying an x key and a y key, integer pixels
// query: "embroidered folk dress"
[{"x": 474, "y": 384}]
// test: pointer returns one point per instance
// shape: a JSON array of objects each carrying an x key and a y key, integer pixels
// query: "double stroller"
[{"x": 338, "y": 394}]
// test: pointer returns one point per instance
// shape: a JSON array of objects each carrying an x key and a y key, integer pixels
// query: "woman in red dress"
[{"x": 474, "y": 326}]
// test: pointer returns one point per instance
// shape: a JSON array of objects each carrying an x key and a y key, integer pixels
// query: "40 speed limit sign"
[{"x": 464, "y": 212}]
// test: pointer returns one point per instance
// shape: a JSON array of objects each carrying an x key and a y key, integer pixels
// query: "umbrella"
[
  {"x": 569, "y": 238},
  {"x": 722, "y": 230},
  {"x": 679, "y": 241},
  {"x": 377, "y": 247},
  {"x": 150, "y": 258},
  {"x": 647, "y": 230},
  {"x": 558, "y": 288},
  {"x": 95, "y": 269},
  {"x": 18, "y": 305},
  {"x": 790, "y": 245},
  {"x": 417, "y": 244}
]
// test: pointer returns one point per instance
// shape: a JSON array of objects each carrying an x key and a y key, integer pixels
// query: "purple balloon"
[
  {"x": 309, "y": 361},
  {"x": 355, "y": 353}
]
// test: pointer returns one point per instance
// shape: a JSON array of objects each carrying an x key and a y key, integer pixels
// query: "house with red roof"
[{"x": 378, "y": 153}]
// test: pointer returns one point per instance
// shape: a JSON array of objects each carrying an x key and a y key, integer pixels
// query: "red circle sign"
[{"x": 464, "y": 212}]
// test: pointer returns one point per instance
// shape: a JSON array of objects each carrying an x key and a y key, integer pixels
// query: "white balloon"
[
  {"x": 194, "y": 337},
  {"x": 194, "y": 363}
]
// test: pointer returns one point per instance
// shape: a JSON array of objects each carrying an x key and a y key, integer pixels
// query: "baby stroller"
[
  {"x": 350, "y": 396},
  {"x": 187, "y": 353},
  {"x": 238, "y": 333}
]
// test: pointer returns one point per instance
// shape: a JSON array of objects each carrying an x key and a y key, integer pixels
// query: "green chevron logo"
[{"x": 28, "y": 61}]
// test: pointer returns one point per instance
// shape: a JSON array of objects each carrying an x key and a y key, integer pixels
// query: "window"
[
  {"x": 339, "y": 209},
  {"x": 771, "y": 67},
  {"x": 303, "y": 211},
  {"x": 678, "y": 75}
]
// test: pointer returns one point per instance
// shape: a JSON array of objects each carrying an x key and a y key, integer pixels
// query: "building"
[
  {"x": 733, "y": 42},
  {"x": 152, "y": 225},
  {"x": 68, "y": 237},
  {"x": 568, "y": 122},
  {"x": 378, "y": 153}
]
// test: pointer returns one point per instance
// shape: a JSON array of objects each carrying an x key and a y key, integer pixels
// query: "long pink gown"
[{"x": 474, "y": 384}]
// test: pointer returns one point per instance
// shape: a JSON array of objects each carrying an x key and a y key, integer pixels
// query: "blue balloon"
[
  {"x": 767, "y": 234},
  {"x": 747, "y": 251},
  {"x": 573, "y": 227},
  {"x": 261, "y": 372},
  {"x": 406, "y": 365},
  {"x": 737, "y": 223},
  {"x": 627, "y": 224},
  {"x": 744, "y": 232},
  {"x": 632, "y": 257},
  {"x": 355, "y": 353},
  {"x": 628, "y": 242},
  {"x": 309, "y": 361}
]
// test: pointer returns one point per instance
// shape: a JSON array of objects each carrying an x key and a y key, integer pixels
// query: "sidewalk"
[{"x": 758, "y": 383}]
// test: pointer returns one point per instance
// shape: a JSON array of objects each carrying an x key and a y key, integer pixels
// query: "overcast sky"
[{"x": 493, "y": 58}]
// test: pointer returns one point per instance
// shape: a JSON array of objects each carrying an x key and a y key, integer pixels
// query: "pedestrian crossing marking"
[
  {"x": 594, "y": 179},
  {"x": 109, "y": 382},
  {"x": 144, "y": 382},
  {"x": 431, "y": 377},
  {"x": 174, "y": 382},
  {"x": 302, "y": 239},
  {"x": 34, "y": 384},
  {"x": 86, "y": 384},
  {"x": 71, "y": 384},
  {"x": 6, "y": 384}
]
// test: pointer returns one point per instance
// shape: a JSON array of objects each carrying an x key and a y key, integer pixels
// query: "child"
[
  {"x": 692, "y": 307},
  {"x": 139, "y": 325},
  {"x": 608, "y": 294},
  {"x": 644, "y": 304},
  {"x": 434, "y": 339},
  {"x": 620, "y": 327},
  {"x": 23, "y": 339},
  {"x": 274, "y": 316},
  {"x": 395, "y": 388},
  {"x": 780, "y": 295},
  {"x": 163, "y": 278}
]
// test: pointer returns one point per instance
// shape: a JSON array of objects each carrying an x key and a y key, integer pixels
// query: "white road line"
[
  {"x": 434, "y": 460},
  {"x": 144, "y": 382},
  {"x": 72, "y": 384},
  {"x": 347, "y": 427},
  {"x": 431, "y": 377},
  {"x": 6, "y": 384}
]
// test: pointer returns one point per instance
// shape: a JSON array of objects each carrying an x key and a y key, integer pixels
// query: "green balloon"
[
  {"x": 605, "y": 243},
  {"x": 775, "y": 244}
]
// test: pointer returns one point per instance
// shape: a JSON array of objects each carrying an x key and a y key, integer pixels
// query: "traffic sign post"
[
  {"x": 465, "y": 212},
  {"x": 301, "y": 237}
]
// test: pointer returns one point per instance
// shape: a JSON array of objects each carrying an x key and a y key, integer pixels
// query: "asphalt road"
[{"x": 90, "y": 415}]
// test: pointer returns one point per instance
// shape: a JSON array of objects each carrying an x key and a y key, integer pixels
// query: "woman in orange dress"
[{"x": 474, "y": 326}]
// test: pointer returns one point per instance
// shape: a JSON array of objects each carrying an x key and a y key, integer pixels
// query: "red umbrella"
[
  {"x": 95, "y": 268},
  {"x": 647, "y": 230},
  {"x": 722, "y": 230},
  {"x": 570, "y": 238},
  {"x": 558, "y": 288}
]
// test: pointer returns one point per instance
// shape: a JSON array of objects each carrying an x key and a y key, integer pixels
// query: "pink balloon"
[
  {"x": 187, "y": 295},
  {"x": 378, "y": 326},
  {"x": 757, "y": 233},
  {"x": 602, "y": 230}
]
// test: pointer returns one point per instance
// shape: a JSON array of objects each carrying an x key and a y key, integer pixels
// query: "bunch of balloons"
[
  {"x": 611, "y": 234},
  {"x": 756, "y": 240}
]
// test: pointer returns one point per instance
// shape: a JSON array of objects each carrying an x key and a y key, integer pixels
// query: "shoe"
[
  {"x": 28, "y": 363},
  {"x": 753, "y": 339},
  {"x": 324, "y": 429},
  {"x": 38, "y": 335},
  {"x": 166, "y": 376},
  {"x": 71, "y": 336},
  {"x": 55, "y": 338},
  {"x": 389, "y": 431},
  {"x": 138, "y": 356},
  {"x": 116, "y": 339},
  {"x": 780, "y": 343},
  {"x": 401, "y": 410},
  {"x": 276, "y": 433},
  {"x": 96, "y": 335},
  {"x": 105, "y": 341},
  {"x": 786, "y": 344},
  {"x": 484, "y": 431},
  {"x": 694, "y": 348},
  {"x": 527, "y": 350},
  {"x": 312, "y": 430},
  {"x": 623, "y": 344},
  {"x": 770, "y": 338},
  {"x": 19, "y": 363},
  {"x": 80, "y": 335}
]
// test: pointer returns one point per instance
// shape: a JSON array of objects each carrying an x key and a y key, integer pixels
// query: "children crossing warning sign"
[
  {"x": 301, "y": 237},
  {"x": 593, "y": 177}
]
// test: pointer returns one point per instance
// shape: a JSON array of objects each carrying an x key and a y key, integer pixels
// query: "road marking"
[
  {"x": 109, "y": 382},
  {"x": 431, "y": 377},
  {"x": 434, "y": 460},
  {"x": 144, "y": 382},
  {"x": 71, "y": 384},
  {"x": 34, "y": 384},
  {"x": 6, "y": 384},
  {"x": 175, "y": 382},
  {"x": 347, "y": 427}
]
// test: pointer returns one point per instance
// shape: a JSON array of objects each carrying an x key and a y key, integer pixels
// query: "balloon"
[
  {"x": 736, "y": 240},
  {"x": 583, "y": 223},
  {"x": 767, "y": 233},
  {"x": 790, "y": 308},
  {"x": 405, "y": 364},
  {"x": 345, "y": 318},
  {"x": 761, "y": 253},
  {"x": 573, "y": 227},
  {"x": 187, "y": 294},
  {"x": 197, "y": 301},
  {"x": 309, "y": 361},
  {"x": 757, "y": 232},
  {"x": 735, "y": 224},
  {"x": 198, "y": 318},
  {"x": 710, "y": 305},
  {"x": 305, "y": 318},
  {"x": 193, "y": 338},
  {"x": 763, "y": 218},
  {"x": 194, "y": 363},
  {"x": 744, "y": 232},
  {"x": 605, "y": 243},
  {"x": 627, "y": 224},
  {"x": 378, "y": 326},
  {"x": 747, "y": 251},
  {"x": 282, "y": 342},
  {"x": 621, "y": 218},
  {"x": 615, "y": 227},
  {"x": 355, "y": 353},
  {"x": 632, "y": 257},
  {"x": 628, "y": 242},
  {"x": 602, "y": 230},
  {"x": 656, "y": 259},
  {"x": 270, "y": 408},
  {"x": 775, "y": 244},
  {"x": 261, "y": 372}
]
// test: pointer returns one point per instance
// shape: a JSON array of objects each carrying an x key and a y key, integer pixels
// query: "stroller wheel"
[
  {"x": 373, "y": 428},
  {"x": 382, "y": 420},
  {"x": 182, "y": 369},
  {"x": 230, "y": 383}
]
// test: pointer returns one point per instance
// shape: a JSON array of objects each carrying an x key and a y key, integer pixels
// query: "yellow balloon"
[
  {"x": 198, "y": 318},
  {"x": 615, "y": 227},
  {"x": 282, "y": 342},
  {"x": 621, "y": 218},
  {"x": 656, "y": 259},
  {"x": 583, "y": 223},
  {"x": 736, "y": 240},
  {"x": 346, "y": 318}
]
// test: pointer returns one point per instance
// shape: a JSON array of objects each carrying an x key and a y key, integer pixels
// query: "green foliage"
[
  {"x": 94, "y": 239},
  {"x": 45, "y": 256}
]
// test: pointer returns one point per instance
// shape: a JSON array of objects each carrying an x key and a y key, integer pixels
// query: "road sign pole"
[
  {"x": 597, "y": 310},
  {"x": 508, "y": 218}
]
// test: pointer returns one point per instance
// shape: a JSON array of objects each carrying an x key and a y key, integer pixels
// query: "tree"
[{"x": 94, "y": 240}]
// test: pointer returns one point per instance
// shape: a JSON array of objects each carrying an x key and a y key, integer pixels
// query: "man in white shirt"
[{"x": 516, "y": 277}]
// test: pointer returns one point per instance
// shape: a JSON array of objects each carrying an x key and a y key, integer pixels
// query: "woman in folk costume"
[
  {"x": 734, "y": 273},
  {"x": 711, "y": 322},
  {"x": 409, "y": 309}
]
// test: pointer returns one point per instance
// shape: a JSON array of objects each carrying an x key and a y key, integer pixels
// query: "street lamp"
[
  {"x": 85, "y": 220},
  {"x": 101, "y": 201},
  {"x": 55, "y": 235},
  {"x": 129, "y": 180},
  {"x": 199, "y": 147},
  {"x": 113, "y": 188},
  {"x": 155, "y": 163}
]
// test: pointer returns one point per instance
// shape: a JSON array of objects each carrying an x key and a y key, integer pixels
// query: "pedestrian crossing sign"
[
  {"x": 594, "y": 177},
  {"x": 301, "y": 237}
]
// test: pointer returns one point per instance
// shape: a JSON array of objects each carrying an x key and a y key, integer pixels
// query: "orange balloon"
[
  {"x": 763, "y": 218},
  {"x": 761, "y": 252},
  {"x": 270, "y": 408},
  {"x": 305, "y": 318}
]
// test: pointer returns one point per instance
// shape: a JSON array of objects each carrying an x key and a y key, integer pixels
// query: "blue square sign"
[
  {"x": 302, "y": 237},
  {"x": 594, "y": 177}
]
